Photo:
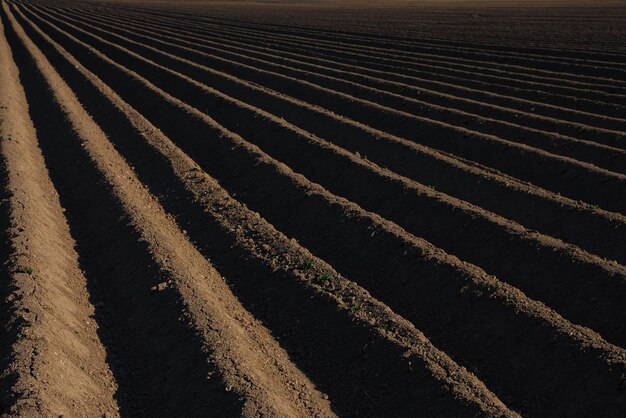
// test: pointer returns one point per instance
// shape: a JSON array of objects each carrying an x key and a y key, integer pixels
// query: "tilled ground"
[{"x": 210, "y": 215}]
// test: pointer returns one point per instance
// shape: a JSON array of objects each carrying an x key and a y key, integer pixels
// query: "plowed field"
[{"x": 248, "y": 209}]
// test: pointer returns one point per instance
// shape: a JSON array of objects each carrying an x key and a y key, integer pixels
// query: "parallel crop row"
[{"x": 290, "y": 222}]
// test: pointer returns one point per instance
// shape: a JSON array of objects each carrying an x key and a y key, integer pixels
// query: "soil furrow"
[
  {"x": 289, "y": 110},
  {"x": 583, "y": 124},
  {"x": 561, "y": 174},
  {"x": 477, "y": 72},
  {"x": 440, "y": 78},
  {"x": 599, "y": 78},
  {"x": 506, "y": 249},
  {"x": 572, "y": 139},
  {"x": 43, "y": 373},
  {"x": 608, "y": 84},
  {"x": 393, "y": 42},
  {"x": 192, "y": 315},
  {"x": 538, "y": 88},
  {"x": 366, "y": 21},
  {"x": 475, "y": 43},
  {"x": 615, "y": 60},
  {"x": 240, "y": 242},
  {"x": 358, "y": 56},
  {"x": 446, "y": 291}
]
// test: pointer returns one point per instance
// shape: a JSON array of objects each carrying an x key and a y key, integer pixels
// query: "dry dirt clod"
[{"x": 160, "y": 287}]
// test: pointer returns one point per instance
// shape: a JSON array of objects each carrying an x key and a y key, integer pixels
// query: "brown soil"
[{"x": 290, "y": 209}]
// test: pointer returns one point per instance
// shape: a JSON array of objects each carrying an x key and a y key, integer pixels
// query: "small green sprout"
[
  {"x": 383, "y": 325},
  {"x": 27, "y": 270},
  {"x": 307, "y": 264},
  {"x": 323, "y": 278},
  {"x": 509, "y": 299}
]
